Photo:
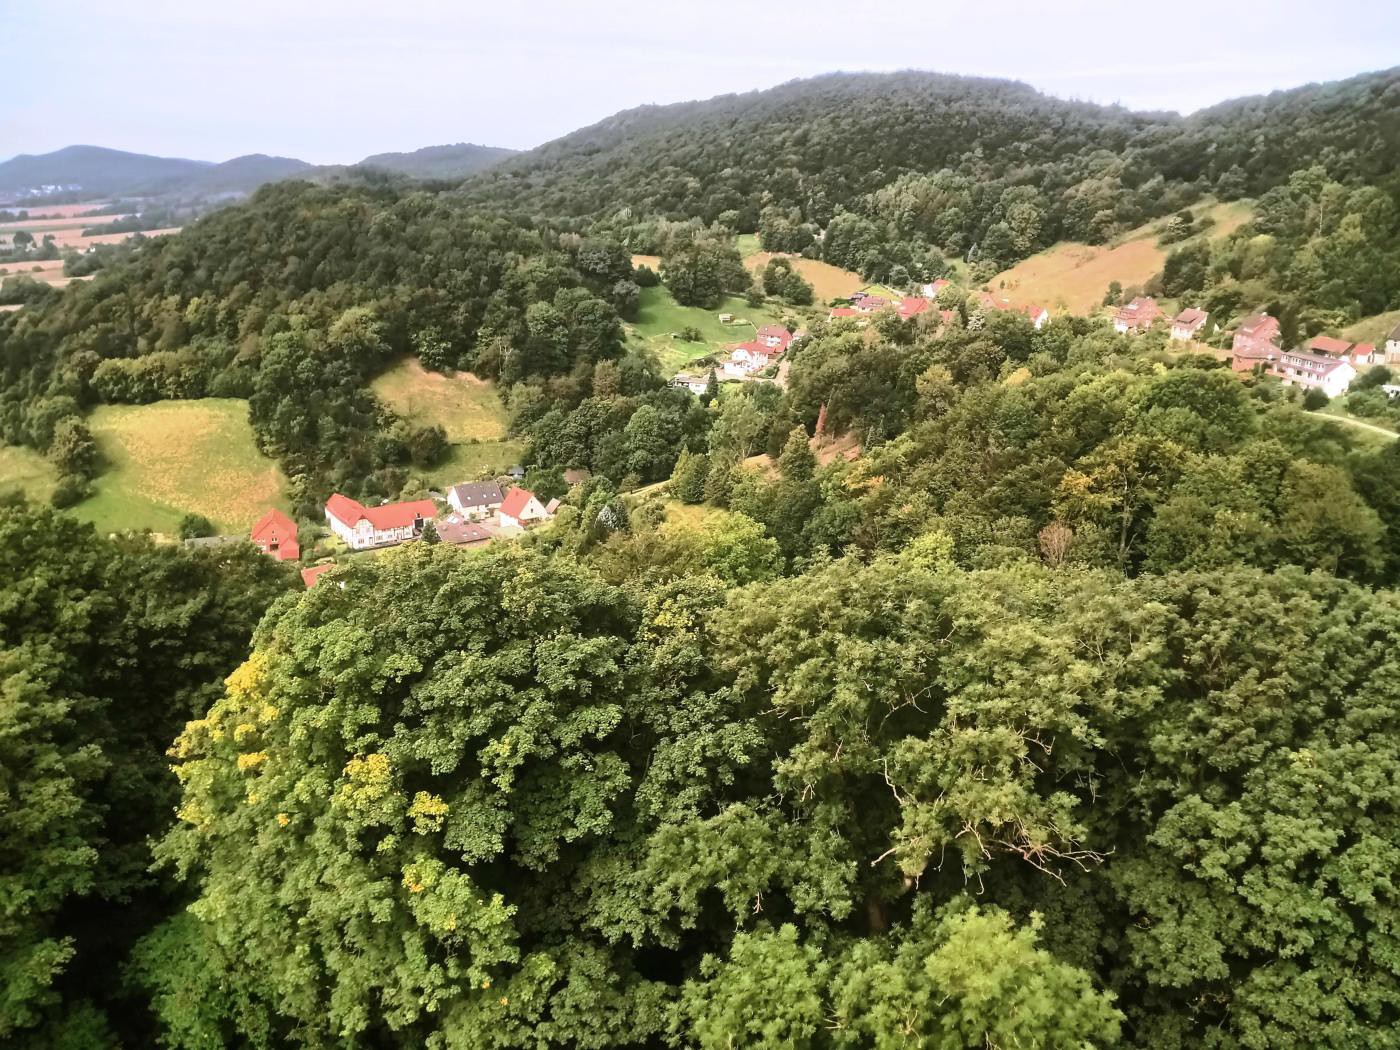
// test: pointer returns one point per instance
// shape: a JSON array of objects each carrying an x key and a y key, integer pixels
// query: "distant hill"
[
  {"x": 440, "y": 162},
  {"x": 93, "y": 169}
]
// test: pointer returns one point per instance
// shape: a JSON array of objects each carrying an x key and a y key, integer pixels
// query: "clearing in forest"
[
  {"x": 828, "y": 282},
  {"x": 173, "y": 458},
  {"x": 25, "y": 471},
  {"x": 465, "y": 406}
]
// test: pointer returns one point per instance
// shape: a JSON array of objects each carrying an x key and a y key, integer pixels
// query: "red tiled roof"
[
  {"x": 844, "y": 311},
  {"x": 388, "y": 516},
  {"x": 1188, "y": 318},
  {"x": 1325, "y": 344},
  {"x": 1140, "y": 312},
  {"x": 1363, "y": 350},
  {"x": 515, "y": 501},
  {"x": 1034, "y": 311},
  {"x": 912, "y": 306},
  {"x": 311, "y": 575}
]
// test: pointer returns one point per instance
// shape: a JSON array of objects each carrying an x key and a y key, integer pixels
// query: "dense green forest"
[{"x": 1049, "y": 698}]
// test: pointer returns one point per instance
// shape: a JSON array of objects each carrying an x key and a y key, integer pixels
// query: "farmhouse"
[
  {"x": 1186, "y": 324},
  {"x": 1326, "y": 345},
  {"x": 1258, "y": 332},
  {"x": 697, "y": 385},
  {"x": 1038, "y": 315},
  {"x": 930, "y": 291},
  {"x": 520, "y": 508},
  {"x": 1363, "y": 354},
  {"x": 1137, "y": 316},
  {"x": 774, "y": 337},
  {"x": 476, "y": 499},
  {"x": 364, "y": 527},
  {"x": 1247, "y": 358},
  {"x": 912, "y": 306},
  {"x": 1331, "y": 375},
  {"x": 276, "y": 534},
  {"x": 987, "y": 301}
]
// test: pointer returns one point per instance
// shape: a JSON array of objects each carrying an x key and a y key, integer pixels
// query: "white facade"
[
  {"x": 362, "y": 535},
  {"x": 532, "y": 510}
]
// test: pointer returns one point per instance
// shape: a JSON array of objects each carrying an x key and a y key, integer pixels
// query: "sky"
[{"x": 331, "y": 81}]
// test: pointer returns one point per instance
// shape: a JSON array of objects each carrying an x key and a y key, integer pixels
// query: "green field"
[
  {"x": 467, "y": 408},
  {"x": 173, "y": 458},
  {"x": 659, "y": 316},
  {"x": 24, "y": 470}
]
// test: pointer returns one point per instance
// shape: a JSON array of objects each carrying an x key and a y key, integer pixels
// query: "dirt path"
[{"x": 1357, "y": 423}]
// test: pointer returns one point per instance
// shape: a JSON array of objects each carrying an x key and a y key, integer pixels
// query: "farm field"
[
  {"x": 172, "y": 458},
  {"x": 466, "y": 407},
  {"x": 827, "y": 281},
  {"x": 66, "y": 226},
  {"x": 653, "y": 262},
  {"x": 25, "y": 471},
  {"x": 659, "y": 316},
  {"x": 1073, "y": 276}
]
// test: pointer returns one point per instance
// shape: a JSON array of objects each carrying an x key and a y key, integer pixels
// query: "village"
[
  {"x": 1323, "y": 363},
  {"x": 472, "y": 514}
]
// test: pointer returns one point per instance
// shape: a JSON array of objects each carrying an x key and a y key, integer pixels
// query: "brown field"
[
  {"x": 112, "y": 238},
  {"x": 48, "y": 270},
  {"x": 652, "y": 261},
  {"x": 827, "y": 281},
  {"x": 1073, "y": 276},
  {"x": 466, "y": 407},
  {"x": 61, "y": 211}
]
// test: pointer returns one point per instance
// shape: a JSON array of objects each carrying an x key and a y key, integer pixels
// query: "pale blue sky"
[{"x": 333, "y": 80}]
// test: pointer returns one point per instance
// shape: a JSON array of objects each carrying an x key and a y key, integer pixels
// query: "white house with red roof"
[
  {"x": 774, "y": 337},
  {"x": 1039, "y": 316},
  {"x": 1328, "y": 346},
  {"x": 912, "y": 306},
  {"x": 1331, "y": 375},
  {"x": 364, "y": 527},
  {"x": 1392, "y": 346},
  {"x": 1186, "y": 324},
  {"x": 1363, "y": 354},
  {"x": 276, "y": 534},
  {"x": 931, "y": 290},
  {"x": 520, "y": 508}
]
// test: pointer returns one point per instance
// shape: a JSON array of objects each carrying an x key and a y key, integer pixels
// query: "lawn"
[
  {"x": 659, "y": 316},
  {"x": 468, "y": 408},
  {"x": 173, "y": 458},
  {"x": 24, "y": 470},
  {"x": 470, "y": 462}
]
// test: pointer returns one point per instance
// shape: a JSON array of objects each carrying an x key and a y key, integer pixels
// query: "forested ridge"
[{"x": 976, "y": 684}]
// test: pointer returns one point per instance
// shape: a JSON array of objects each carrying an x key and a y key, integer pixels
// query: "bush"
[
  {"x": 1315, "y": 399},
  {"x": 70, "y": 491},
  {"x": 193, "y": 525}
]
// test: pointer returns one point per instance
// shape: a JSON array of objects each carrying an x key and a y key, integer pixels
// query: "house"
[
  {"x": 364, "y": 527},
  {"x": 459, "y": 530},
  {"x": 1248, "y": 358},
  {"x": 552, "y": 507},
  {"x": 987, "y": 301},
  {"x": 1038, "y": 315},
  {"x": 697, "y": 385},
  {"x": 517, "y": 472},
  {"x": 1186, "y": 324},
  {"x": 774, "y": 337},
  {"x": 865, "y": 303},
  {"x": 1257, "y": 332},
  {"x": 1328, "y": 347},
  {"x": 839, "y": 312},
  {"x": 930, "y": 291},
  {"x": 315, "y": 572},
  {"x": 1137, "y": 316},
  {"x": 912, "y": 306},
  {"x": 1311, "y": 371},
  {"x": 476, "y": 499},
  {"x": 748, "y": 358},
  {"x": 1392, "y": 346},
  {"x": 520, "y": 508},
  {"x": 1363, "y": 354},
  {"x": 276, "y": 534},
  {"x": 726, "y": 318}
]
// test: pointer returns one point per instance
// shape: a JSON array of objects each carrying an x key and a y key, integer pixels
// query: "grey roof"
[
  {"x": 478, "y": 493},
  {"x": 1395, "y": 334}
]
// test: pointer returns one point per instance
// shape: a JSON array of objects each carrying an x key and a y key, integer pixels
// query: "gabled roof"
[
  {"x": 515, "y": 502},
  {"x": 912, "y": 306},
  {"x": 311, "y": 575},
  {"x": 274, "y": 527},
  {"x": 1363, "y": 350},
  {"x": 1190, "y": 318},
  {"x": 1143, "y": 310},
  {"x": 844, "y": 311},
  {"x": 775, "y": 331},
  {"x": 1394, "y": 335},
  {"x": 1258, "y": 326},
  {"x": 1325, "y": 344},
  {"x": 458, "y": 531},
  {"x": 1034, "y": 311},
  {"x": 382, "y": 518},
  {"x": 477, "y": 493},
  {"x": 1319, "y": 363}
]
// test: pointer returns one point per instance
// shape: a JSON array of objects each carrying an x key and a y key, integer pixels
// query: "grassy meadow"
[
  {"x": 172, "y": 458},
  {"x": 467, "y": 408},
  {"x": 25, "y": 471},
  {"x": 659, "y": 316}
]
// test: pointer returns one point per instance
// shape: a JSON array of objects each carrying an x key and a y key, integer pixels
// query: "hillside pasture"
[
  {"x": 1073, "y": 276},
  {"x": 466, "y": 407},
  {"x": 25, "y": 471},
  {"x": 1374, "y": 329},
  {"x": 827, "y": 281},
  {"x": 173, "y": 458},
  {"x": 659, "y": 317}
]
